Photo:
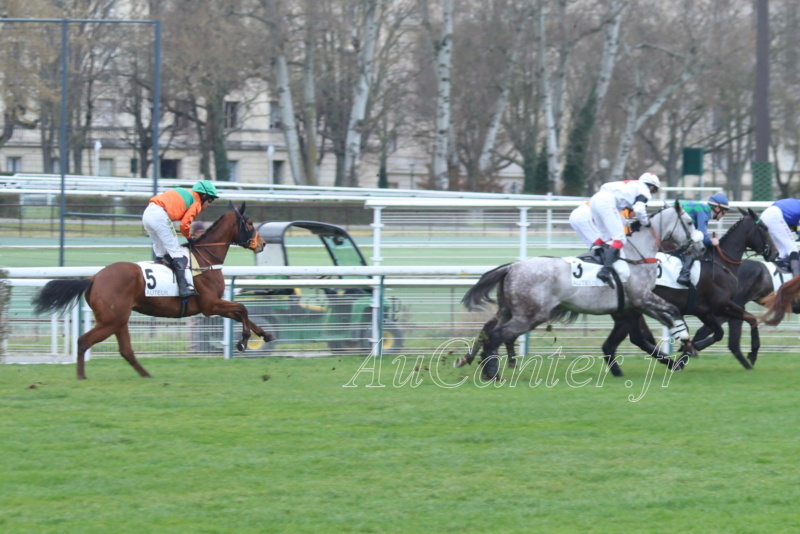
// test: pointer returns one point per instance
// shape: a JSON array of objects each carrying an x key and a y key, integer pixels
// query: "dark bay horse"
[
  {"x": 118, "y": 289},
  {"x": 713, "y": 301},
  {"x": 755, "y": 283},
  {"x": 538, "y": 290}
]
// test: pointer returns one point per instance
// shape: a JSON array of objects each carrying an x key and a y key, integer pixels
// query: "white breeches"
[
  {"x": 607, "y": 218},
  {"x": 162, "y": 232},
  {"x": 581, "y": 221},
  {"x": 779, "y": 231}
]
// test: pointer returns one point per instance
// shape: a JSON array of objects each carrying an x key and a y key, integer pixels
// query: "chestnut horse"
[{"x": 118, "y": 289}]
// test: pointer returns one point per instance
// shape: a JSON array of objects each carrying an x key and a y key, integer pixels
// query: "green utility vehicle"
[{"x": 339, "y": 317}]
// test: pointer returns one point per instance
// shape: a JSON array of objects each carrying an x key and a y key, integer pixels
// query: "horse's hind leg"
[
  {"x": 126, "y": 350},
  {"x": 505, "y": 334},
  {"x": 94, "y": 336}
]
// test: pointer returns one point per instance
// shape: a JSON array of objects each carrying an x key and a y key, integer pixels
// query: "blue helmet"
[{"x": 719, "y": 199}]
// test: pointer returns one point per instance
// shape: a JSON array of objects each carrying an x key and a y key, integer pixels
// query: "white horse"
[{"x": 540, "y": 290}]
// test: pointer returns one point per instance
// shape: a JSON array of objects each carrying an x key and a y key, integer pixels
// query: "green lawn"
[{"x": 279, "y": 445}]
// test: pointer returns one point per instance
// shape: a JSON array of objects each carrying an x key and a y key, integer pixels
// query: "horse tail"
[
  {"x": 478, "y": 294},
  {"x": 57, "y": 295},
  {"x": 780, "y": 302},
  {"x": 563, "y": 316}
]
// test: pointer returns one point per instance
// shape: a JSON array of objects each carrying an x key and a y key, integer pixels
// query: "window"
[
  {"x": 277, "y": 172},
  {"x": 231, "y": 115},
  {"x": 170, "y": 168},
  {"x": 275, "y": 116},
  {"x": 233, "y": 171},
  {"x": 14, "y": 164},
  {"x": 105, "y": 167},
  {"x": 183, "y": 110}
]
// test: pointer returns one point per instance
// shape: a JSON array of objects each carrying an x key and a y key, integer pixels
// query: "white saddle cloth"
[
  {"x": 159, "y": 280},
  {"x": 585, "y": 274},
  {"x": 669, "y": 268}
]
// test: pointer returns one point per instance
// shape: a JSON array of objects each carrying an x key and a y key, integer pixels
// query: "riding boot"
[
  {"x": 611, "y": 254},
  {"x": 598, "y": 252},
  {"x": 185, "y": 289},
  {"x": 685, "y": 278},
  {"x": 794, "y": 265}
]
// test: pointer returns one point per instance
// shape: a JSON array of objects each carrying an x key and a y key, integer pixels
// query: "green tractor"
[{"x": 340, "y": 317}]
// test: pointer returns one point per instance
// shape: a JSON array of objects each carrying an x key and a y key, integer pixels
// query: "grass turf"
[{"x": 279, "y": 445}]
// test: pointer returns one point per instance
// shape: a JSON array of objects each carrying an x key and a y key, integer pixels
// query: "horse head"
[
  {"x": 673, "y": 224},
  {"x": 248, "y": 237},
  {"x": 232, "y": 228}
]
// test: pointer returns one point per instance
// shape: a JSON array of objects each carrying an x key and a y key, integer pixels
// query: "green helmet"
[{"x": 205, "y": 187}]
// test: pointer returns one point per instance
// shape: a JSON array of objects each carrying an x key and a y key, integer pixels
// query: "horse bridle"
[
  {"x": 658, "y": 241},
  {"x": 244, "y": 239}
]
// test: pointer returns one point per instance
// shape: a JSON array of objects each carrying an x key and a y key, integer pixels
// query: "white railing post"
[
  {"x": 549, "y": 225},
  {"x": 227, "y": 337},
  {"x": 523, "y": 233}
]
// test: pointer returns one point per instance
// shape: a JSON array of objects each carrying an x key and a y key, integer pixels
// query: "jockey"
[
  {"x": 702, "y": 212},
  {"x": 581, "y": 221},
  {"x": 177, "y": 204},
  {"x": 782, "y": 219},
  {"x": 606, "y": 205}
]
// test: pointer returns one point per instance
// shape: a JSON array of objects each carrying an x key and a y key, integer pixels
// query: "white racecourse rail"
[{"x": 431, "y": 320}]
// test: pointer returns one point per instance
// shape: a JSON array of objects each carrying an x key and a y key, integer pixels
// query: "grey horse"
[{"x": 540, "y": 290}]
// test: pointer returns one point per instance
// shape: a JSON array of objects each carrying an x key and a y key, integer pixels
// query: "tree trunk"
[
  {"x": 310, "y": 100},
  {"x": 289, "y": 122},
  {"x": 551, "y": 132},
  {"x": 355, "y": 127},
  {"x": 444, "y": 52}
]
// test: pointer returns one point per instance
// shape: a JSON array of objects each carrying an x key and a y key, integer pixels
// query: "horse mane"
[{"x": 207, "y": 231}]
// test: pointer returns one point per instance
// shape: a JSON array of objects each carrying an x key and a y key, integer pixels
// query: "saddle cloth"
[
  {"x": 159, "y": 280},
  {"x": 778, "y": 276},
  {"x": 584, "y": 274},
  {"x": 669, "y": 268}
]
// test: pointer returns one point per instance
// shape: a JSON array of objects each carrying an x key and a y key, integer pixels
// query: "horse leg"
[
  {"x": 702, "y": 335},
  {"x": 99, "y": 333},
  {"x": 668, "y": 315},
  {"x": 126, "y": 350},
  {"x": 734, "y": 312},
  {"x": 735, "y": 339},
  {"x": 237, "y": 312},
  {"x": 505, "y": 334},
  {"x": 511, "y": 354},
  {"x": 717, "y": 333},
  {"x": 618, "y": 334},
  {"x": 479, "y": 344}
]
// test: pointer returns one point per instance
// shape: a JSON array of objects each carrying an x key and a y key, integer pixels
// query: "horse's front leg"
[
  {"x": 668, "y": 315},
  {"x": 237, "y": 312},
  {"x": 736, "y": 313}
]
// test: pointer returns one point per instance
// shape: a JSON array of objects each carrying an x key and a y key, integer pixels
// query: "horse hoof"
[
  {"x": 240, "y": 346},
  {"x": 512, "y": 363},
  {"x": 267, "y": 337},
  {"x": 752, "y": 358},
  {"x": 490, "y": 368},
  {"x": 681, "y": 362},
  {"x": 460, "y": 362}
]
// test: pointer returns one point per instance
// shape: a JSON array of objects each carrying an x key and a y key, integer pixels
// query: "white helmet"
[{"x": 650, "y": 179}]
